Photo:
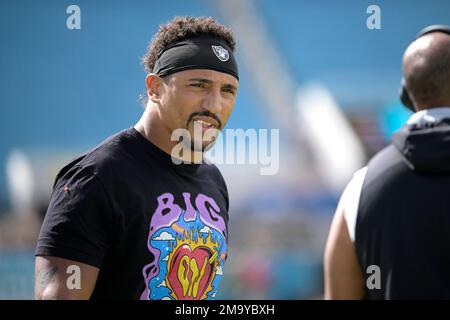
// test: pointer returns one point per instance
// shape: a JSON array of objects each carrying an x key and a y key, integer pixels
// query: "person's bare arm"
[
  {"x": 343, "y": 277},
  {"x": 53, "y": 279}
]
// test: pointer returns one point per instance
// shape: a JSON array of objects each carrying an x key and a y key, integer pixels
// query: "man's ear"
[{"x": 154, "y": 87}]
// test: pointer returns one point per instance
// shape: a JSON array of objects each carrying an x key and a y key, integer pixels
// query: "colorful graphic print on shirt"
[{"x": 190, "y": 248}]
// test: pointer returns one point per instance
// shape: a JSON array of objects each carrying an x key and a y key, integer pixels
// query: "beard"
[{"x": 202, "y": 141}]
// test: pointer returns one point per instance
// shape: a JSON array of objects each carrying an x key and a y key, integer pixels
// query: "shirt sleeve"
[
  {"x": 351, "y": 196},
  {"x": 78, "y": 223}
]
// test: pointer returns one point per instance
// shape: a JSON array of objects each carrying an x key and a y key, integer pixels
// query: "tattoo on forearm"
[{"x": 47, "y": 276}]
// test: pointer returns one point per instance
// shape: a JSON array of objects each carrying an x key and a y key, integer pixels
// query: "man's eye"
[
  {"x": 228, "y": 90},
  {"x": 198, "y": 85}
]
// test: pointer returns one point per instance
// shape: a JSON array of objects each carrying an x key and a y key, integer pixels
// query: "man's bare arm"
[
  {"x": 343, "y": 277},
  {"x": 56, "y": 279}
]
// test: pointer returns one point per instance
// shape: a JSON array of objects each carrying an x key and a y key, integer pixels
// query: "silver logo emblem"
[{"x": 221, "y": 53}]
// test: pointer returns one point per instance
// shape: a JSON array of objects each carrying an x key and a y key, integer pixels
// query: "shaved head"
[{"x": 426, "y": 70}]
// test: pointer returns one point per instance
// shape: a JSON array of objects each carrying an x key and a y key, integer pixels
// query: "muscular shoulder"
[{"x": 112, "y": 155}]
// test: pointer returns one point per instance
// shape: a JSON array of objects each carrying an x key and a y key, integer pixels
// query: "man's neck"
[{"x": 149, "y": 126}]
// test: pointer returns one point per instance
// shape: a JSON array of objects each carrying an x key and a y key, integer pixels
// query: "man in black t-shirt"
[{"x": 143, "y": 216}]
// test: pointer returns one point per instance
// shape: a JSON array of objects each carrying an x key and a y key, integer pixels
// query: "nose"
[{"x": 212, "y": 102}]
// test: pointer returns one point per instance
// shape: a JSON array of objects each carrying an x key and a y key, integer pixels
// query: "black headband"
[{"x": 204, "y": 52}]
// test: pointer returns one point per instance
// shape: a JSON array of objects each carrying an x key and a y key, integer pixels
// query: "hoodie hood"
[{"x": 424, "y": 142}]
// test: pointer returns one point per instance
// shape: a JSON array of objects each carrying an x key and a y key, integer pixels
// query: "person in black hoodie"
[{"x": 390, "y": 236}]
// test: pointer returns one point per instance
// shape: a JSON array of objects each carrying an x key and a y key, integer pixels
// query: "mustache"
[{"x": 206, "y": 114}]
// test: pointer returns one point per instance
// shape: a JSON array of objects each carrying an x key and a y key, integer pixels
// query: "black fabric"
[
  {"x": 425, "y": 149},
  {"x": 403, "y": 217},
  {"x": 197, "y": 53},
  {"x": 125, "y": 208}
]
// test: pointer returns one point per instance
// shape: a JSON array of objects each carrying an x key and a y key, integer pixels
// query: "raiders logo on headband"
[
  {"x": 221, "y": 53},
  {"x": 195, "y": 53}
]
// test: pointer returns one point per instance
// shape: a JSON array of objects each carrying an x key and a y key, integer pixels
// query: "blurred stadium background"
[{"x": 309, "y": 68}]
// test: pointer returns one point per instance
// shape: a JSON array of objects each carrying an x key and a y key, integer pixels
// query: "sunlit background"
[{"x": 311, "y": 69}]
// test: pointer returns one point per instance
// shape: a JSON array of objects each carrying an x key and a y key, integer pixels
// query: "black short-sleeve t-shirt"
[{"x": 156, "y": 230}]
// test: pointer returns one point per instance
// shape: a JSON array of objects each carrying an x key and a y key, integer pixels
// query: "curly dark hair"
[{"x": 181, "y": 28}]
